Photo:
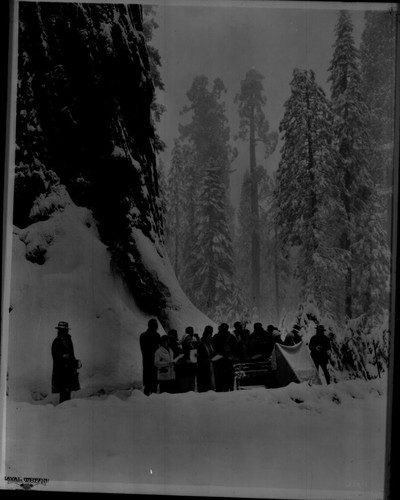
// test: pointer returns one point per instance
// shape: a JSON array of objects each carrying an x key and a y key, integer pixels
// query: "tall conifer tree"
[
  {"x": 307, "y": 196},
  {"x": 275, "y": 262},
  {"x": 362, "y": 232},
  {"x": 243, "y": 238},
  {"x": 212, "y": 272},
  {"x": 254, "y": 128},
  {"x": 180, "y": 211},
  {"x": 208, "y": 251}
]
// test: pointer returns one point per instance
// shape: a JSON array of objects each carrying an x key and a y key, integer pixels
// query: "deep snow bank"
[
  {"x": 61, "y": 272},
  {"x": 74, "y": 284}
]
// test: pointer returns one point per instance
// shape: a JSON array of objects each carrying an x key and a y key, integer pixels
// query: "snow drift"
[{"x": 61, "y": 272}]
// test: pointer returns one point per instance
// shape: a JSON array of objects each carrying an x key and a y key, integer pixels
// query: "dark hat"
[
  {"x": 320, "y": 328},
  {"x": 63, "y": 325}
]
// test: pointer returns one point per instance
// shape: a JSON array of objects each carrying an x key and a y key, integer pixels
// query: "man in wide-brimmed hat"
[
  {"x": 320, "y": 346},
  {"x": 65, "y": 365},
  {"x": 149, "y": 343}
]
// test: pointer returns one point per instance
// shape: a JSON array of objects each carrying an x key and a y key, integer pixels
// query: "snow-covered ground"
[{"x": 296, "y": 442}]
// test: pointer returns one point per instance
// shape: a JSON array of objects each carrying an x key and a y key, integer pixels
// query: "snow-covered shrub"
[
  {"x": 31, "y": 181},
  {"x": 364, "y": 347},
  {"x": 48, "y": 203},
  {"x": 359, "y": 348}
]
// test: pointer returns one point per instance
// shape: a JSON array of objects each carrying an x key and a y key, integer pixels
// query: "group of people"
[{"x": 207, "y": 363}]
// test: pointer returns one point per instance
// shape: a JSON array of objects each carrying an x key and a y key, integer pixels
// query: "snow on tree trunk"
[{"x": 85, "y": 129}]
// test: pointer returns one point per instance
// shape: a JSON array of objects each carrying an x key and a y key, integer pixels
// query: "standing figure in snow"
[
  {"x": 319, "y": 349},
  {"x": 205, "y": 374},
  {"x": 257, "y": 343},
  {"x": 164, "y": 362},
  {"x": 65, "y": 366},
  {"x": 187, "y": 367},
  {"x": 149, "y": 342},
  {"x": 269, "y": 340},
  {"x": 224, "y": 345},
  {"x": 241, "y": 344}
]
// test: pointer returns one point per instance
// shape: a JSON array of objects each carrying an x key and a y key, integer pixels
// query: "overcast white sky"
[{"x": 227, "y": 40}]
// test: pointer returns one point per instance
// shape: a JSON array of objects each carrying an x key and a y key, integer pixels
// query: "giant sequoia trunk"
[
  {"x": 84, "y": 121},
  {"x": 88, "y": 240},
  {"x": 255, "y": 219}
]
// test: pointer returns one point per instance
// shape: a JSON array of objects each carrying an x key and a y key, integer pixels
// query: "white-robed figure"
[{"x": 165, "y": 363}]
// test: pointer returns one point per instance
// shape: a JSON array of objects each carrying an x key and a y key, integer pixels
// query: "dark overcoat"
[
  {"x": 223, "y": 344},
  {"x": 186, "y": 370},
  {"x": 319, "y": 346},
  {"x": 205, "y": 375},
  {"x": 149, "y": 343},
  {"x": 65, "y": 374}
]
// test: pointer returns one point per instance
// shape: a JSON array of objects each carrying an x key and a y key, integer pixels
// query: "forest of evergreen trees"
[{"x": 319, "y": 227}]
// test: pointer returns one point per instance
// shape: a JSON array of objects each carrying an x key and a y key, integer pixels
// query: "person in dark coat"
[
  {"x": 149, "y": 343},
  {"x": 269, "y": 340},
  {"x": 65, "y": 378},
  {"x": 186, "y": 368},
  {"x": 237, "y": 330},
  {"x": 224, "y": 346},
  {"x": 240, "y": 344},
  {"x": 205, "y": 373},
  {"x": 320, "y": 346},
  {"x": 245, "y": 343},
  {"x": 257, "y": 344}
]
